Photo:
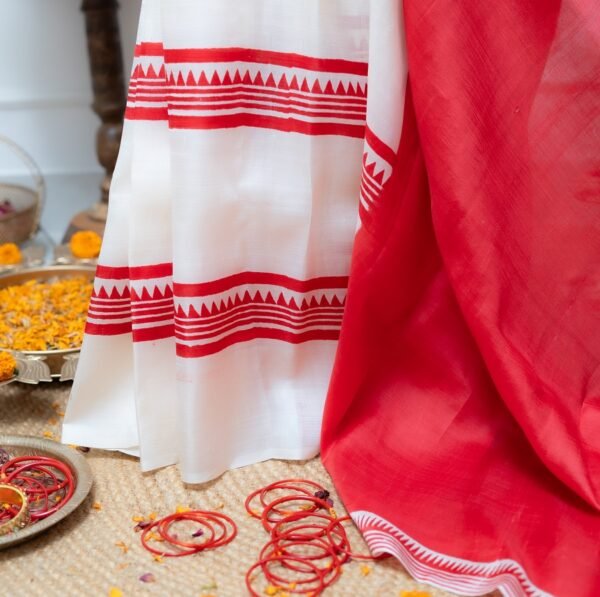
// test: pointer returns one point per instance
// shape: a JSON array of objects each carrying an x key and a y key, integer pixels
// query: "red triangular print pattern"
[
  {"x": 203, "y": 326},
  {"x": 206, "y": 326},
  {"x": 211, "y": 89}
]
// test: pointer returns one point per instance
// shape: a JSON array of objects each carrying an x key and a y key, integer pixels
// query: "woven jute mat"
[{"x": 96, "y": 548}]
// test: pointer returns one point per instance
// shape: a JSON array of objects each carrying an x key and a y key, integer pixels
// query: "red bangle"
[
  {"x": 263, "y": 565},
  {"x": 146, "y": 545},
  {"x": 328, "y": 552},
  {"x": 201, "y": 517},
  {"x": 266, "y": 521},
  {"x": 283, "y": 484}
]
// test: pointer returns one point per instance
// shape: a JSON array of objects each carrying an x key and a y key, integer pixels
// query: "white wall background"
[{"x": 45, "y": 97}]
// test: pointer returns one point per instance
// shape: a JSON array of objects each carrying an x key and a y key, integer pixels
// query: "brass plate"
[
  {"x": 57, "y": 361},
  {"x": 20, "y": 445}
]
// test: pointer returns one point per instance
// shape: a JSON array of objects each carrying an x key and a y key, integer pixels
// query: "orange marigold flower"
[
  {"x": 44, "y": 315},
  {"x": 10, "y": 254},
  {"x": 8, "y": 365},
  {"x": 85, "y": 244}
]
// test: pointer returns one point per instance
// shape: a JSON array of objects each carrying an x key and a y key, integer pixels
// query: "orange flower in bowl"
[
  {"x": 8, "y": 366},
  {"x": 10, "y": 254},
  {"x": 85, "y": 244}
]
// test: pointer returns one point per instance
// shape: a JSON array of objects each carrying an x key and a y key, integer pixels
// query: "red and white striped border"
[
  {"x": 207, "y": 317},
  {"x": 445, "y": 572},
  {"x": 231, "y": 87},
  {"x": 132, "y": 299},
  {"x": 212, "y": 316}
]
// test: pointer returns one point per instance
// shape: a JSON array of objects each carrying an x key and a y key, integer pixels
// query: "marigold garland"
[
  {"x": 44, "y": 315},
  {"x": 10, "y": 254},
  {"x": 85, "y": 244},
  {"x": 8, "y": 366}
]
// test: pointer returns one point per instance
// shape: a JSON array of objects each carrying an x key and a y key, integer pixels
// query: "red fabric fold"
[{"x": 464, "y": 407}]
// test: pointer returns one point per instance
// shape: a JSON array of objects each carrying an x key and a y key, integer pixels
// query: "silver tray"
[
  {"x": 35, "y": 366},
  {"x": 17, "y": 445}
]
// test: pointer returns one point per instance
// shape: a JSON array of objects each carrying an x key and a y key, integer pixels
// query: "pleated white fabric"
[{"x": 219, "y": 297}]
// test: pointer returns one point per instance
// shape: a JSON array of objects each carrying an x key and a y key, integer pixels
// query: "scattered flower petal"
[
  {"x": 152, "y": 515},
  {"x": 157, "y": 558},
  {"x": 365, "y": 570},
  {"x": 122, "y": 546},
  {"x": 97, "y": 506},
  {"x": 180, "y": 509},
  {"x": 49, "y": 434},
  {"x": 322, "y": 494},
  {"x": 198, "y": 533},
  {"x": 148, "y": 577},
  {"x": 115, "y": 592},
  {"x": 415, "y": 594}
]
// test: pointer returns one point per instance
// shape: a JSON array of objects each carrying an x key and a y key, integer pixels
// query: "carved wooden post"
[{"x": 106, "y": 65}]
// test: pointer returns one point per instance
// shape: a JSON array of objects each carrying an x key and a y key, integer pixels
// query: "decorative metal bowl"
[
  {"x": 17, "y": 445},
  {"x": 44, "y": 365}
]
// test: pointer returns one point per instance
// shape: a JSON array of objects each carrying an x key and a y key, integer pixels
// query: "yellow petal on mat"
[
  {"x": 49, "y": 434},
  {"x": 158, "y": 559},
  {"x": 115, "y": 592},
  {"x": 96, "y": 506},
  {"x": 181, "y": 509},
  {"x": 415, "y": 594},
  {"x": 122, "y": 546},
  {"x": 137, "y": 518},
  {"x": 152, "y": 515},
  {"x": 365, "y": 570}
]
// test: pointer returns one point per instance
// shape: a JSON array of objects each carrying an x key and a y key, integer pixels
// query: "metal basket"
[{"x": 23, "y": 223}]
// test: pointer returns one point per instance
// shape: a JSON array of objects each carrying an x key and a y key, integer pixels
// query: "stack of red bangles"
[
  {"x": 47, "y": 483},
  {"x": 308, "y": 543},
  {"x": 210, "y": 530}
]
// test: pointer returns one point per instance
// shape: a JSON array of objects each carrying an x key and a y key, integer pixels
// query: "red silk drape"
[{"x": 464, "y": 407}]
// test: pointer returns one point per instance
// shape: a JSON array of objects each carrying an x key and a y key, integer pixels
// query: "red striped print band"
[
  {"x": 136, "y": 300},
  {"x": 230, "y": 87},
  {"x": 207, "y": 317}
]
